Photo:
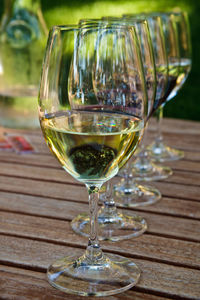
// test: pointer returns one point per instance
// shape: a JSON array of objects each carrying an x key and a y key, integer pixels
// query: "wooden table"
[{"x": 38, "y": 200}]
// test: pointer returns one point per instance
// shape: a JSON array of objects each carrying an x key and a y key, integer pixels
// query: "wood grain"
[
  {"x": 52, "y": 207},
  {"x": 156, "y": 277},
  {"x": 38, "y": 199},
  {"x": 151, "y": 247},
  {"x": 60, "y": 175},
  {"x": 18, "y": 283},
  {"x": 157, "y": 223},
  {"x": 191, "y": 161}
]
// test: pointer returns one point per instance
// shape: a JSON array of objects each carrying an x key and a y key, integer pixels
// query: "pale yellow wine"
[{"x": 92, "y": 146}]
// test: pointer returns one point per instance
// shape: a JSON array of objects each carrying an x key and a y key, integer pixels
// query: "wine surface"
[
  {"x": 177, "y": 74},
  {"x": 92, "y": 146}
]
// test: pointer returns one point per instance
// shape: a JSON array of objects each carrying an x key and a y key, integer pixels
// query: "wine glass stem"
[
  {"x": 159, "y": 115},
  {"x": 143, "y": 154},
  {"x": 128, "y": 174},
  {"x": 109, "y": 209},
  {"x": 93, "y": 251}
]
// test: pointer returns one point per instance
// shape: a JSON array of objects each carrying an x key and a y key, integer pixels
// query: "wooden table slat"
[
  {"x": 191, "y": 161},
  {"x": 25, "y": 284},
  {"x": 151, "y": 247},
  {"x": 159, "y": 224},
  {"x": 51, "y": 207},
  {"x": 64, "y": 191},
  {"x": 60, "y": 175}
]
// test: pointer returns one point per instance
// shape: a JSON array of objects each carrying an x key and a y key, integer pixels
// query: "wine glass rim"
[
  {"x": 106, "y": 26},
  {"x": 142, "y": 16},
  {"x": 92, "y": 25},
  {"x": 65, "y": 27},
  {"x": 131, "y": 21},
  {"x": 89, "y": 20},
  {"x": 124, "y": 18},
  {"x": 154, "y": 14},
  {"x": 111, "y": 19}
]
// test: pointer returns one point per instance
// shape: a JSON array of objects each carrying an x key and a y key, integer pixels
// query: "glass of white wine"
[
  {"x": 92, "y": 110},
  {"x": 128, "y": 193},
  {"x": 143, "y": 168},
  {"x": 178, "y": 47}
]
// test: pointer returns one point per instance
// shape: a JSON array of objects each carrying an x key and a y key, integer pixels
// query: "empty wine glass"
[
  {"x": 92, "y": 107},
  {"x": 178, "y": 46}
]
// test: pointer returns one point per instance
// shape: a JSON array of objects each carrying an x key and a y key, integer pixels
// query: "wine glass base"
[
  {"x": 135, "y": 195},
  {"x": 111, "y": 227},
  {"x": 111, "y": 275},
  {"x": 150, "y": 172},
  {"x": 162, "y": 153}
]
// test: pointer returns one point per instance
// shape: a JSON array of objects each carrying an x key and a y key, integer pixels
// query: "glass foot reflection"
[
  {"x": 110, "y": 274},
  {"x": 133, "y": 195},
  {"x": 113, "y": 227},
  {"x": 161, "y": 153},
  {"x": 148, "y": 171}
]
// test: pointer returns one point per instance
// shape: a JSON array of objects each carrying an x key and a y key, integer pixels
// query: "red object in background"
[
  {"x": 5, "y": 145},
  {"x": 20, "y": 144}
]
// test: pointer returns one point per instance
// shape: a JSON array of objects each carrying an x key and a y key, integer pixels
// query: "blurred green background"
[{"x": 186, "y": 105}]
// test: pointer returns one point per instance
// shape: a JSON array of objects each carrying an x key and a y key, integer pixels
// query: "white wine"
[
  {"x": 178, "y": 73},
  {"x": 92, "y": 146}
]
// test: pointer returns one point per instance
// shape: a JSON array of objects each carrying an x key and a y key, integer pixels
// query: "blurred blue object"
[{"x": 22, "y": 41}]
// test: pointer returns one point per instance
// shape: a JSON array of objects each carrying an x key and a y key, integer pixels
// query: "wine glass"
[
  {"x": 178, "y": 45},
  {"x": 127, "y": 192},
  {"x": 92, "y": 124},
  {"x": 143, "y": 169},
  {"x": 115, "y": 225}
]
